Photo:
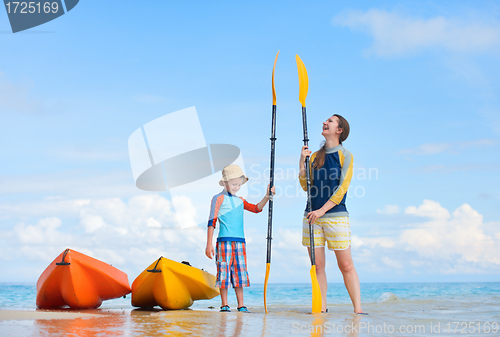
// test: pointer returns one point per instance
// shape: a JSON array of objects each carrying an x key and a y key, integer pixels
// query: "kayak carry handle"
[
  {"x": 154, "y": 270},
  {"x": 186, "y": 263},
  {"x": 62, "y": 263}
]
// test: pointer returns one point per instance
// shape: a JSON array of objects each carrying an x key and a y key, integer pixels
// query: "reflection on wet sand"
[
  {"x": 328, "y": 324},
  {"x": 355, "y": 325},
  {"x": 88, "y": 327},
  {"x": 229, "y": 325},
  {"x": 318, "y": 324},
  {"x": 264, "y": 326},
  {"x": 281, "y": 321}
]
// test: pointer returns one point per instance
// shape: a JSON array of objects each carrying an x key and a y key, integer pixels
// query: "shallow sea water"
[{"x": 446, "y": 309}]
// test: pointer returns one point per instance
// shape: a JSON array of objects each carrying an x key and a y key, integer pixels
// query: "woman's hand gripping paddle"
[
  {"x": 271, "y": 184},
  {"x": 303, "y": 87}
]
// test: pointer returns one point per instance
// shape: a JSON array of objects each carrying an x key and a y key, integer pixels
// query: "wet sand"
[
  {"x": 41, "y": 314},
  {"x": 416, "y": 318}
]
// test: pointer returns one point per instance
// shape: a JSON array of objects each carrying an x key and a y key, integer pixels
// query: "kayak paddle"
[
  {"x": 271, "y": 184},
  {"x": 303, "y": 87}
]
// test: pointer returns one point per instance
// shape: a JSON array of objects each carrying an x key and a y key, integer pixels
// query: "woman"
[{"x": 331, "y": 172}]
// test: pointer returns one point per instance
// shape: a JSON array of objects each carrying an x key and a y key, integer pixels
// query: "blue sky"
[{"x": 417, "y": 81}]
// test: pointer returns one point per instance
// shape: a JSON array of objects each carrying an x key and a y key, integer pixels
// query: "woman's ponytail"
[{"x": 319, "y": 161}]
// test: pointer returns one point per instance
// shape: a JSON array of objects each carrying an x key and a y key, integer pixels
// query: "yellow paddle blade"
[
  {"x": 303, "y": 80},
  {"x": 274, "y": 90},
  {"x": 268, "y": 267},
  {"x": 316, "y": 292}
]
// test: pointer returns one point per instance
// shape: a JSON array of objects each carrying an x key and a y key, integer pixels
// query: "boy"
[{"x": 231, "y": 256}]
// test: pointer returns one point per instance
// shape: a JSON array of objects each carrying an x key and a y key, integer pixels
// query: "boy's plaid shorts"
[{"x": 231, "y": 264}]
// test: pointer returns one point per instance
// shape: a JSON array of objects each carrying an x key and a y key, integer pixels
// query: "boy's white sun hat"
[{"x": 231, "y": 172}]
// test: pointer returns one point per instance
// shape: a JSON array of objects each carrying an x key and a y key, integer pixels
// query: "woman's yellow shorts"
[{"x": 335, "y": 230}]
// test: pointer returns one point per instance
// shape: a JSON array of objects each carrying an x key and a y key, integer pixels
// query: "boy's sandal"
[
  {"x": 243, "y": 309},
  {"x": 324, "y": 312},
  {"x": 225, "y": 308}
]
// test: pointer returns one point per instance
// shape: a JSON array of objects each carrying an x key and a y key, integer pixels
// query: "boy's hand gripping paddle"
[
  {"x": 303, "y": 87},
  {"x": 271, "y": 184}
]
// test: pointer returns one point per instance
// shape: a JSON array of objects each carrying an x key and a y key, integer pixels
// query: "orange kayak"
[
  {"x": 172, "y": 285},
  {"x": 80, "y": 282}
]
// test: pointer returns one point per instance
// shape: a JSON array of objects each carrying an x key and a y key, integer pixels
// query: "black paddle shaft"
[
  {"x": 271, "y": 184},
  {"x": 308, "y": 179}
]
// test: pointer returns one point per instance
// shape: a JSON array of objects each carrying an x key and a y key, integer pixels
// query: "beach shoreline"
[
  {"x": 410, "y": 318},
  {"x": 7, "y": 314},
  {"x": 394, "y": 309}
]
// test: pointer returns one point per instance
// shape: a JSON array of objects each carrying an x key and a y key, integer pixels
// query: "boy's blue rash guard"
[
  {"x": 331, "y": 181},
  {"x": 228, "y": 209}
]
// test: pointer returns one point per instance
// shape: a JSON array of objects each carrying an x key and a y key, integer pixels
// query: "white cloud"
[
  {"x": 129, "y": 235},
  {"x": 397, "y": 34},
  {"x": 185, "y": 212},
  {"x": 446, "y": 242},
  {"x": 392, "y": 263},
  {"x": 430, "y": 209},
  {"x": 448, "y": 236},
  {"x": 389, "y": 209},
  {"x": 91, "y": 222},
  {"x": 356, "y": 242},
  {"x": 372, "y": 242},
  {"x": 288, "y": 239},
  {"x": 47, "y": 207},
  {"x": 43, "y": 233},
  {"x": 418, "y": 263},
  {"x": 42, "y": 241}
]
